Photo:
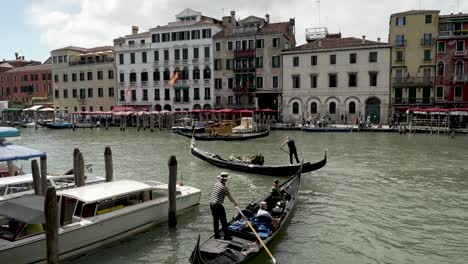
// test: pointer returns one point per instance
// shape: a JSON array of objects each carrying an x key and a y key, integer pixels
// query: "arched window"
[
  {"x": 332, "y": 107},
  {"x": 196, "y": 73},
  {"x": 440, "y": 68},
  {"x": 295, "y": 108},
  {"x": 196, "y": 107},
  {"x": 167, "y": 107},
  {"x": 352, "y": 108},
  {"x": 459, "y": 68},
  {"x": 313, "y": 108},
  {"x": 167, "y": 74},
  {"x": 156, "y": 76},
  {"x": 157, "y": 107},
  {"x": 206, "y": 107},
  {"x": 207, "y": 73},
  {"x": 184, "y": 74}
]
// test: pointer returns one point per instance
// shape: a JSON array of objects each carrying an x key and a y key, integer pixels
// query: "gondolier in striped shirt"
[{"x": 220, "y": 190}]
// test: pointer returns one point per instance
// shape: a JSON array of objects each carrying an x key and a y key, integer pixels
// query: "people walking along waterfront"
[
  {"x": 220, "y": 190},
  {"x": 292, "y": 149}
]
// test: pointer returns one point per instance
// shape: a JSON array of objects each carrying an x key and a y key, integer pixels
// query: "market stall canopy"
[
  {"x": 6, "y": 132},
  {"x": 123, "y": 108},
  {"x": 9, "y": 152},
  {"x": 28, "y": 209}
]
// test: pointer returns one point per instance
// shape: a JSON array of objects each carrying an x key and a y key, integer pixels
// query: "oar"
[
  {"x": 258, "y": 237},
  {"x": 285, "y": 150}
]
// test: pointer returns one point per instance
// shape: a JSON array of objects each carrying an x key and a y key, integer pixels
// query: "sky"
[{"x": 35, "y": 27}]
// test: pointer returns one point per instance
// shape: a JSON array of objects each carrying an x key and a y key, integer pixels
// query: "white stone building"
[
  {"x": 146, "y": 62},
  {"x": 339, "y": 78}
]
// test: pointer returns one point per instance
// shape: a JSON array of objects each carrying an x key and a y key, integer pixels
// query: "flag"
[
  {"x": 127, "y": 92},
  {"x": 174, "y": 78}
]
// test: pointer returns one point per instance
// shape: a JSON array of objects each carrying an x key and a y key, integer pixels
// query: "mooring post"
[
  {"x": 80, "y": 172},
  {"x": 43, "y": 163},
  {"x": 75, "y": 163},
  {"x": 10, "y": 168},
  {"x": 51, "y": 225},
  {"x": 108, "y": 164},
  {"x": 172, "y": 190},
  {"x": 36, "y": 178}
]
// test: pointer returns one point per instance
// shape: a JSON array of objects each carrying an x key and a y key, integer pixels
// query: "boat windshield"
[{"x": 12, "y": 229}]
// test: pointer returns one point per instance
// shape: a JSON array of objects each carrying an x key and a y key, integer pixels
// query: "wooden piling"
[
  {"x": 43, "y": 162},
  {"x": 108, "y": 164},
  {"x": 75, "y": 164},
  {"x": 36, "y": 178},
  {"x": 79, "y": 173},
  {"x": 10, "y": 168},
  {"x": 172, "y": 163},
  {"x": 51, "y": 225}
]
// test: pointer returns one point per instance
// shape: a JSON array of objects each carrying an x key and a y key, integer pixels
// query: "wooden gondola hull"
[
  {"x": 286, "y": 170},
  {"x": 231, "y": 137}
]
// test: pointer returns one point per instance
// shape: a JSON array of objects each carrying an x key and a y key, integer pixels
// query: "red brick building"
[
  {"x": 20, "y": 83},
  {"x": 452, "y": 61}
]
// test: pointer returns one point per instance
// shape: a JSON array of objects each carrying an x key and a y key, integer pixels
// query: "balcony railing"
[
  {"x": 144, "y": 84},
  {"x": 156, "y": 63},
  {"x": 132, "y": 46},
  {"x": 85, "y": 62},
  {"x": 207, "y": 60},
  {"x": 166, "y": 83},
  {"x": 460, "y": 53},
  {"x": 244, "y": 53},
  {"x": 418, "y": 101},
  {"x": 132, "y": 84},
  {"x": 195, "y": 60},
  {"x": 460, "y": 78},
  {"x": 195, "y": 82},
  {"x": 427, "y": 42},
  {"x": 206, "y": 82},
  {"x": 412, "y": 81},
  {"x": 121, "y": 84},
  {"x": 182, "y": 83},
  {"x": 246, "y": 69},
  {"x": 400, "y": 43},
  {"x": 451, "y": 33},
  {"x": 156, "y": 83}
]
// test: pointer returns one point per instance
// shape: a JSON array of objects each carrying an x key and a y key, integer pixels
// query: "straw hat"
[{"x": 223, "y": 176}]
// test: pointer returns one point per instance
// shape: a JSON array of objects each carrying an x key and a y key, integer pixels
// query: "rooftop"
[
  {"x": 85, "y": 50},
  {"x": 42, "y": 67},
  {"x": 337, "y": 43},
  {"x": 416, "y": 12},
  {"x": 269, "y": 28}
]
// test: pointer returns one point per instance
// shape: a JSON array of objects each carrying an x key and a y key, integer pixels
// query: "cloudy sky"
[{"x": 34, "y": 27}]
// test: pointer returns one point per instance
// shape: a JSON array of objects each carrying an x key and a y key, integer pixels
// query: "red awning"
[
  {"x": 267, "y": 110},
  {"x": 123, "y": 108}
]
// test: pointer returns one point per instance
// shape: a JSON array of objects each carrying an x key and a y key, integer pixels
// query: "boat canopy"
[
  {"x": 6, "y": 132},
  {"x": 14, "y": 152},
  {"x": 27, "y": 208},
  {"x": 33, "y": 108},
  {"x": 98, "y": 192}
]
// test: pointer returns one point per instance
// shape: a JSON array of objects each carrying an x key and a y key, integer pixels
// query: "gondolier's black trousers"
[
  {"x": 219, "y": 214},
  {"x": 291, "y": 153}
]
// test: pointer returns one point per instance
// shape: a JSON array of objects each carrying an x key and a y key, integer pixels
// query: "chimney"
[
  {"x": 378, "y": 39},
  {"x": 16, "y": 55},
  {"x": 320, "y": 43},
  {"x": 363, "y": 39},
  {"x": 267, "y": 18},
  {"x": 134, "y": 30}
]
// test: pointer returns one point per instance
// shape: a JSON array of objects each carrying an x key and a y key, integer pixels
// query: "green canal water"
[{"x": 382, "y": 198}]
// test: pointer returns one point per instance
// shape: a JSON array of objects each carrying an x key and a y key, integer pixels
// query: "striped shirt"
[{"x": 220, "y": 190}]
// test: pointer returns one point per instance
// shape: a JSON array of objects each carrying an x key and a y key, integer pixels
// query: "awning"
[
  {"x": 13, "y": 109},
  {"x": 28, "y": 209},
  {"x": 46, "y": 109},
  {"x": 6, "y": 132},
  {"x": 14, "y": 152},
  {"x": 122, "y": 108},
  {"x": 33, "y": 108}
]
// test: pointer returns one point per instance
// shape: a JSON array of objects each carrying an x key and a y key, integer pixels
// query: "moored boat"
[
  {"x": 63, "y": 125},
  {"x": 271, "y": 170},
  {"x": 244, "y": 245},
  {"x": 226, "y": 137},
  {"x": 327, "y": 129},
  {"x": 89, "y": 217}
]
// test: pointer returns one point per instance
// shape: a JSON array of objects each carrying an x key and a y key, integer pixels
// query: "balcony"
[
  {"x": 195, "y": 82},
  {"x": 244, "y": 69},
  {"x": 244, "y": 53},
  {"x": 418, "y": 101},
  {"x": 460, "y": 53},
  {"x": 134, "y": 46},
  {"x": 207, "y": 60},
  {"x": 156, "y": 84},
  {"x": 452, "y": 33},
  {"x": 87, "y": 62},
  {"x": 132, "y": 83},
  {"x": 427, "y": 42},
  {"x": 166, "y": 62},
  {"x": 195, "y": 60},
  {"x": 400, "y": 43},
  {"x": 121, "y": 84},
  {"x": 144, "y": 84},
  {"x": 156, "y": 63},
  {"x": 206, "y": 82},
  {"x": 412, "y": 82},
  {"x": 460, "y": 78},
  {"x": 166, "y": 83}
]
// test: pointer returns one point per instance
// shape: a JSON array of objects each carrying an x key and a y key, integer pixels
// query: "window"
[
  {"x": 259, "y": 44},
  {"x": 276, "y": 42},
  {"x": 238, "y": 45},
  {"x": 166, "y": 55},
  {"x": 111, "y": 91},
  {"x": 122, "y": 77},
  {"x": 218, "y": 83},
  {"x": 82, "y": 76},
  {"x": 99, "y": 75},
  {"x": 110, "y": 74},
  {"x": 218, "y": 100},
  {"x": 332, "y": 108},
  {"x": 427, "y": 39},
  {"x": 352, "y": 79},
  {"x": 144, "y": 76},
  {"x": 57, "y": 96},
  {"x": 196, "y": 93},
  {"x": 195, "y": 53},
  {"x": 230, "y": 83},
  {"x": 196, "y": 73},
  {"x": 400, "y": 40},
  {"x": 65, "y": 93},
  {"x": 176, "y": 54},
  {"x": 440, "y": 47},
  {"x": 440, "y": 92},
  {"x": 229, "y": 64},
  {"x": 65, "y": 78},
  {"x": 333, "y": 59},
  {"x": 90, "y": 92},
  {"x": 296, "y": 79},
  {"x": 440, "y": 68},
  {"x": 313, "y": 80},
  {"x": 313, "y": 60},
  {"x": 372, "y": 78},
  {"x": 373, "y": 56},
  {"x": 352, "y": 108},
  {"x": 156, "y": 95},
  {"x": 207, "y": 52},
  {"x": 133, "y": 77},
  {"x": 74, "y": 93},
  {"x": 352, "y": 58},
  {"x": 460, "y": 46},
  {"x": 399, "y": 56},
  {"x": 428, "y": 19},
  {"x": 167, "y": 94},
  {"x": 295, "y": 61},
  {"x": 121, "y": 59},
  {"x": 56, "y": 78},
  {"x": 185, "y": 54},
  {"x": 427, "y": 55},
  {"x": 90, "y": 76},
  {"x": 156, "y": 55},
  {"x": 459, "y": 68},
  {"x": 259, "y": 82},
  {"x": 156, "y": 76},
  {"x": 229, "y": 45},
  {"x": 217, "y": 64},
  {"x": 195, "y": 34},
  {"x": 145, "y": 95},
  {"x": 295, "y": 108},
  {"x": 259, "y": 62},
  {"x": 207, "y": 93},
  {"x": 332, "y": 80},
  {"x": 275, "y": 81},
  {"x": 207, "y": 73},
  {"x": 143, "y": 57},
  {"x": 122, "y": 95},
  {"x": 275, "y": 61},
  {"x": 458, "y": 92},
  {"x": 155, "y": 38},
  {"x": 100, "y": 92},
  {"x": 134, "y": 95},
  {"x": 206, "y": 33},
  {"x": 218, "y": 46},
  {"x": 230, "y": 99},
  {"x": 400, "y": 21},
  {"x": 313, "y": 108}
]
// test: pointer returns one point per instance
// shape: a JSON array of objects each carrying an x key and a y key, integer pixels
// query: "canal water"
[{"x": 382, "y": 198}]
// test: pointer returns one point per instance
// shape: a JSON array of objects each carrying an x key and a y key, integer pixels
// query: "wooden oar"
[
  {"x": 285, "y": 150},
  {"x": 258, "y": 237}
]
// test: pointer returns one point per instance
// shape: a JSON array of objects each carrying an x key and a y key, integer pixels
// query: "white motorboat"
[
  {"x": 15, "y": 186},
  {"x": 89, "y": 217},
  {"x": 247, "y": 125}
]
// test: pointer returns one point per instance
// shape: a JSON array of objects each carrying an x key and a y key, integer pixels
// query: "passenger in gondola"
[
  {"x": 292, "y": 149},
  {"x": 220, "y": 190},
  {"x": 263, "y": 210},
  {"x": 275, "y": 194}
]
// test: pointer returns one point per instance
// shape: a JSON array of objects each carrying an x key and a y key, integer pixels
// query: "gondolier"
[
  {"x": 292, "y": 149},
  {"x": 220, "y": 190}
]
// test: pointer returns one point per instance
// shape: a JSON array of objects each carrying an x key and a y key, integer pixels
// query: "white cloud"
[{"x": 93, "y": 23}]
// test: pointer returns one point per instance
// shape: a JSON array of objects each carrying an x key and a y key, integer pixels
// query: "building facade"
[
  {"x": 412, "y": 36},
  {"x": 452, "y": 61},
  {"x": 147, "y": 61},
  {"x": 247, "y": 62},
  {"x": 337, "y": 78},
  {"x": 84, "y": 79}
]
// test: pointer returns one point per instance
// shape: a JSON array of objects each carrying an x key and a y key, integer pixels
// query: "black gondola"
[
  {"x": 229, "y": 137},
  {"x": 281, "y": 170},
  {"x": 233, "y": 251}
]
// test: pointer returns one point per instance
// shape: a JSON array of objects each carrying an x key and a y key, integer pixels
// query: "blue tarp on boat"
[
  {"x": 14, "y": 152},
  {"x": 6, "y": 132}
]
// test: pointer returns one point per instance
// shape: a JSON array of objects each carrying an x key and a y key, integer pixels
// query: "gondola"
[
  {"x": 281, "y": 170},
  {"x": 243, "y": 240},
  {"x": 63, "y": 125},
  {"x": 229, "y": 137}
]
